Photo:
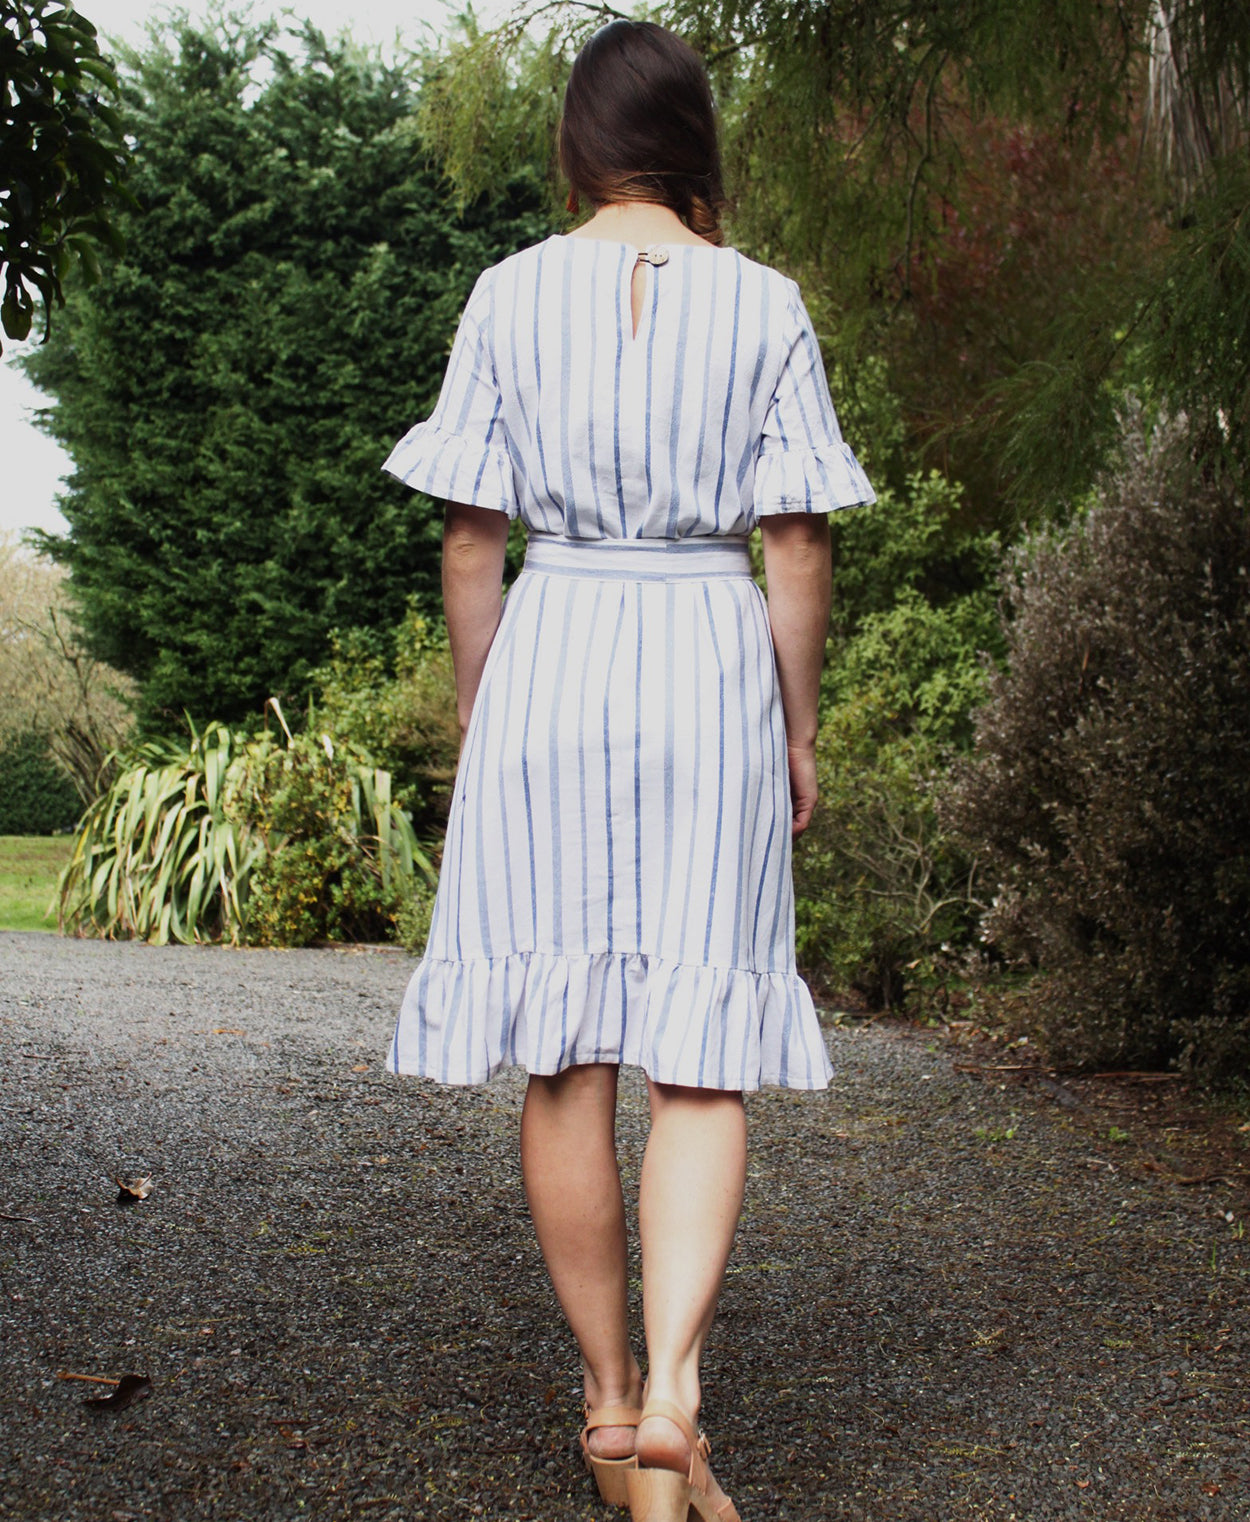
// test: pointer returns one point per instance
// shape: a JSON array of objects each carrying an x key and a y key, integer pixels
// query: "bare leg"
[
  {"x": 693, "y": 1177},
  {"x": 568, "y": 1158}
]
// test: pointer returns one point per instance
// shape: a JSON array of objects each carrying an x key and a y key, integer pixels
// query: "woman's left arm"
[{"x": 474, "y": 541}]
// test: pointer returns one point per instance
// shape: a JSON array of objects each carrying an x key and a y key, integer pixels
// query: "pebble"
[{"x": 335, "y": 1291}]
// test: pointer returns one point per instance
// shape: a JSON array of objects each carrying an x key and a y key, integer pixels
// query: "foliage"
[
  {"x": 882, "y": 891},
  {"x": 48, "y": 683},
  {"x": 1033, "y": 240},
  {"x": 159, "y": 856},
  {"x": 491, "y": 100},
  {"x": 961, "y": 190},
  {"x": 223, "y": 838},
  {"x": 36, "y": 797},
  {"x": 911, "y": 540},
  {"x": 1109, "y": 793},
  {"x": 293, "y": 278},
  {"x": 339, "y": 856},
  {"x": 396, "y": 700},
  {"x": 1172, "y": 326},
  {"x": 62, "y": 155},
  {"x": 412, "y": 921},
  {"x": 922, "y": 666}
]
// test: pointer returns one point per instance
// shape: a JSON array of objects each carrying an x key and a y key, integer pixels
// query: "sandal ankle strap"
[{"x": 612, "y": 1416}]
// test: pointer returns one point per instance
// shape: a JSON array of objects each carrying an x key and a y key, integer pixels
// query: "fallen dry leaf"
[
  {"x": 361, "y": 1067},
  {"x": 227, "y": 1030},
  {"x": 130, "y": 1190},
  {"x": 130, "y": 1388}
]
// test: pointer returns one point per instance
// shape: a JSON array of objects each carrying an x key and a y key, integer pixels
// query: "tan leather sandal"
[
  {"x": 610, "y": 1473},
  {"x": 667, "y": 1495}
]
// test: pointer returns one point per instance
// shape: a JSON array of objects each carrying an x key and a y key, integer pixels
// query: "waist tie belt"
[{"x": 694, "y": 559}]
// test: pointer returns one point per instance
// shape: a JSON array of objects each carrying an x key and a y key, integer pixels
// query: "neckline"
[{"x": 699, "y": 248}]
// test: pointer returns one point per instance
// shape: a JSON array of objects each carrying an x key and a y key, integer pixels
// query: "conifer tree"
[{"x": 293, "y": 276}]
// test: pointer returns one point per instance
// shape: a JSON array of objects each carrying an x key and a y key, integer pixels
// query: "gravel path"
[{"x": 949, "y": 1299}]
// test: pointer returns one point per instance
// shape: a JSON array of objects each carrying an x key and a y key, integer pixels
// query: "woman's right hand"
[
  {"x": 803, "y": 790},
  {"x": 474, "y": 542}
]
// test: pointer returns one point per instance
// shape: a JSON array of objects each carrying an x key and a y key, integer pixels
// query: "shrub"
[
  {"x": 226, "y": 838},
  {"x": 338, "y": 855},
  {"x": 923, "y": 666},
  {"x": 36, "y": 797},
  {"x": 399, "y": 706},
  {"x": 412, "y": 921},
  {"x": 882, "y": 892},
  {"x": 910, "y": 540},
  {"x": 48, "y": 683},
  {"x": 1109, "y": 793}
]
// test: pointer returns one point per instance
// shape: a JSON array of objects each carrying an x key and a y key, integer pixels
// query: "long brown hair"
[{"x": 639, "y": 124}]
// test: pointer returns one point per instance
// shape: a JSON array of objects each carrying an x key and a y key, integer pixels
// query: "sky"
[{"x": 32, "y": 466}]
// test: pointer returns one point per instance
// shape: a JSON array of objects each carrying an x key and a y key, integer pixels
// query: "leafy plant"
[
  {"x": 36, "y": 797},
  {"x": 1109, "y": 791},
  {"x": 62, "y": 151},
  {"x": 881, "y": 890},
  {"x": 339, "y": 855},
  {"x": 159, "y": 856},
  {"x": 412, "y": 921},
  {"x": 883, "y": 894},
  {"x": 399, "y": 708},
  {"x": 225, "y": 838}
]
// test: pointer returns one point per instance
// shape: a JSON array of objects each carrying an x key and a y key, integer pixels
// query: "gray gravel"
[{"x": 949, "y": 1299}]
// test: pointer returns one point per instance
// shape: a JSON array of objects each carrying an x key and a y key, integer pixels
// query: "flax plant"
[
  {"x": 158, "y": 857},
  {"x": 171, "y": 850}
]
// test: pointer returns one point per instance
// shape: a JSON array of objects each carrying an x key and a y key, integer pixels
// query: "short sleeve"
[
  {"x": 803, "y": 464},
  {"x": 460, "y": 453}
]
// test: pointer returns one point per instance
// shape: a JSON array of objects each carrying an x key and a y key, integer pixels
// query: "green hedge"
[{"x": 36, "y": 797}]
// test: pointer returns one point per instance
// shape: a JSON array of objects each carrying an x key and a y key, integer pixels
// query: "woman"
[{"x": 638, "y": 726}]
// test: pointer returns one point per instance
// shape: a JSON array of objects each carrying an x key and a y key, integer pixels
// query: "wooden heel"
[
  {"x": 609, "y": 1473},
  {"x": 657, "y": 1495},
  {"x": 666, "y": 1495},
  {"x": 610, "y": 1478}
]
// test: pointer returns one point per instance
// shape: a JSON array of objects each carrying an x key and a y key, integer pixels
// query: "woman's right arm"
[
  {"x": 798, "y": 564},
  {"x": 474, "y": 541}
]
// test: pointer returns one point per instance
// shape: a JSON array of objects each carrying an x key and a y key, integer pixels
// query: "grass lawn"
[{"x": 29, "y": 867}]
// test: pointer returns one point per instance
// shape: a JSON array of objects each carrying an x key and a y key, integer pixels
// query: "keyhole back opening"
[
  {"x": 654, "y": 254},
  {"x": 637, "y": 294}
]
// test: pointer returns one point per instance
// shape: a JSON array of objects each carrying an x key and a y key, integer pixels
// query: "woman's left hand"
[{"x": 803, "y": 790}]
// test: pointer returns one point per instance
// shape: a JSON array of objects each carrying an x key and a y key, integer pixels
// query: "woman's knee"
[
  {"x": 679, "y": 1097},
  {"x": 585, "y": 1084}
]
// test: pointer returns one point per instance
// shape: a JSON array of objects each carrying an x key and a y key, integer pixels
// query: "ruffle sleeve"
[
  {"x": 460, "y": 453},
  {"x": 803, "y": 464}
]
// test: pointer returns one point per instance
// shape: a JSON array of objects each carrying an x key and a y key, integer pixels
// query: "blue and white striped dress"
[{"x": 616, "y": 881}]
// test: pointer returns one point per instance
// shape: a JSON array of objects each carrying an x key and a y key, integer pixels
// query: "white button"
[{"x": 654, "y": 253}]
